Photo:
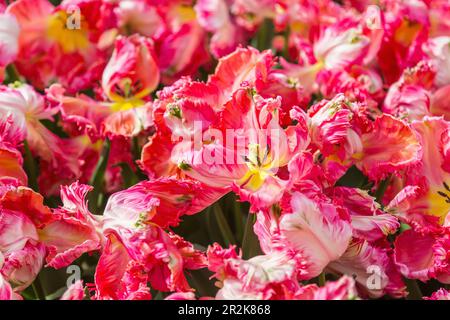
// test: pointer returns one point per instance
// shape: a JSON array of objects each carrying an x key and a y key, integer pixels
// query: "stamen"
[
  {"x": 446, "y": 187},
  {"x": 445, "y": 194},
  {"x": 258, "y": 160}
]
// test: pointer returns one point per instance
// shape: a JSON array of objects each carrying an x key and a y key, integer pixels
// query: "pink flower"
[
  {"x": 423, "y": 199},
  {"x": 138, "y": 250},
  {"x": 217, "y": 257},
  {"x": 74, "y": 292},
  {"x": 342, "y": 289},
  {"x": 81, "y": 113},
  {"x": 423, "y": 256},
  {"x": 117, "y": 276},
  {"x": 339, "y": 46},
  {"x": 139, "y": 16},
  {"x": 181, "y": 296},
  {"x": 6, "y": 291},
  {"x": 131, "y": 74},
  {"x": 369, "y": 222},
  {"x": 334, "y": 131},
  {"x": 66, "y": 53},
  {"x": 74, "y": 230},
  {"x": 23, "y": 265},
  {"x": 261, "y": 277},
  {"x": 373, "y": 267},
  {"x": 406, "y": 28},
  {"x": 438, "y": 51},
  {"x": 441, "y": 294},
  {"x": 252, "y": 13},
  {"x": 214, "y": 16},
  {"x": 22, "y": 215},
  {"x": 26, "y": 108},
  {"x": 344, "y": 134},
  {"x": 271, "y": 276},
  {"x": 403, "y": 151},
  {"x": 412, "y": 96},
  {"x": 310, "y": 228},
  {"x": 318, "y": 231},
  {"x": 133, "y": 257},
  {"x": 439, "y": 103},
  {"x": 181, "y": 50},
  {"x": 250, "y": 166},
  {"x": 9, "y": 35},
  {"x": 342, "y": 45},
  {"x": 11, "y": 171},
  {"x": 360, "y": 84},
  {"x": 162, "y": 202}
]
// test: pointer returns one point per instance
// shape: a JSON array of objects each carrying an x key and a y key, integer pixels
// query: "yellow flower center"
[
  {"x": 298, "y": 27},
  {"x": 124, "y": 104},
  {"x": 185, "y": 13},
  {"x": 439, "y": 202},
  {"x": 259, "y": 167},
  {"x": 127, "y": 96},
  {"x": 70, "y": 35},
  {"x": 407, "y": 31}
]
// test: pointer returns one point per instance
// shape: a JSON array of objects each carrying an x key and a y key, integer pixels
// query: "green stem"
[
  {"x": 250, "y": 242},
  {"x": 208, "y": 213},
  {"x": 286, "y": 44},
  {"x": 414, "y": 290},
  {"x": 129, "y": 177},
  {"x": 322, "y": 279},
  {"x": 135, "y": 149},
  {"x": 12, "y": 73},
  {"x": 100, "y": 169},
  {"x": 38, "y": 290},
  {"x": 382, "y": 189},
  {"x": 238, "y": 221},
  {"x": 98, "y": 177},
  {"x": 224, "y": 227},
  {"x": 30, "y": 168},
  {"x": 265, "y": 35}
]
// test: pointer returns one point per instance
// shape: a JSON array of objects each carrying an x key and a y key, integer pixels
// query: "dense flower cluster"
[{"x": 227, "y": 149}]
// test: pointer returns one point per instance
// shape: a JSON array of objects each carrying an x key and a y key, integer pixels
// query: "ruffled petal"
[
  {"x": 390, "y": 147},
  {"x": 316, "y": 231}
]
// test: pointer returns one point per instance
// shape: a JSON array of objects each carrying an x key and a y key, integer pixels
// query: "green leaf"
[
  {"x": 57, "y": 294},
  {"x": 97, "y": 179},
  {"x": 353, "y": 178},
  {"x": 39, "y": 292},
  {"x": 382, "y": 189},
  {"x": 129, "y": 177},
  {"x": 224, "y": 227},
  {"x": 322, "y": 279},
  {"x": 11, "y": 74},
  {"x": 414, "y": 290},
  {"x": 264, "y": 36},
  {"x": 250, "y": 242},
  {"x": 30, "y": 167},
  {"x": 238, "y": 219}
]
